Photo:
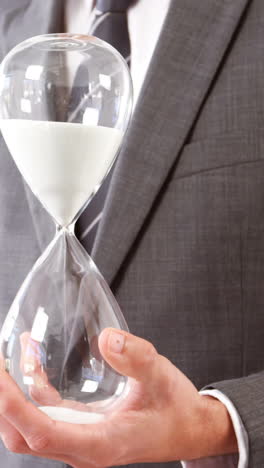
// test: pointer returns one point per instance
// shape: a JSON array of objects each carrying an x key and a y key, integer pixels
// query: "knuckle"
[
  {"x": 15, "y": 444},
  {"x": 38, "y": 442},
  {"x": 149, "y": 353}
]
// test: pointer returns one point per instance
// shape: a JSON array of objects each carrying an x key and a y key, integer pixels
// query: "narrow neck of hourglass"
[{"x": 70, "y": 228}]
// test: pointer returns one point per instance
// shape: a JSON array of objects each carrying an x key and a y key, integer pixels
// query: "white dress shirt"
[{"x": 143, "y": 38}]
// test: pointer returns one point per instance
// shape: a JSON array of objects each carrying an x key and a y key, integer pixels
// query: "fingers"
[
  {"x": 41, "y": 434},
  {"x": 30, "y": 362},
  {"x": 40, "y": 389},
  {"x": 15, "y": 443},
  {"x": 18, "y": 412},
  {"x": 128, "y": 354},
  {"x": 12, "y": 440}
]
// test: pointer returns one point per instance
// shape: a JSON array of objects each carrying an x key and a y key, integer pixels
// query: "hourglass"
[{"x": 65, "y": 104}]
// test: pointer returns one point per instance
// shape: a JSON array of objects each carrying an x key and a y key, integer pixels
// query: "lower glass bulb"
[{"x": 49, "y": 341}]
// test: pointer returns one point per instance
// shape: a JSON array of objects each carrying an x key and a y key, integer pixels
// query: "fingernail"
[{"x": 116, "y": 342}]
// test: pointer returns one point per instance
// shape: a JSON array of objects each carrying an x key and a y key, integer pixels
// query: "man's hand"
[{"x": 163, "y": 417}]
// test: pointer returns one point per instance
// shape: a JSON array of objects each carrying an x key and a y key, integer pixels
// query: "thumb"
[{"x": 128, "y": 354}]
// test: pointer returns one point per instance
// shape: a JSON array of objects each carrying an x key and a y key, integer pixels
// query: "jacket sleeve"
[
  {"x": 247, "y": 395},
  {"x": 239, "y": 460}
]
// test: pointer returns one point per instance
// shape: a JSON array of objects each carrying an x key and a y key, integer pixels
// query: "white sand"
[
  {"x": 61, "y": 162},
  {"x": 71, "y": 416}
]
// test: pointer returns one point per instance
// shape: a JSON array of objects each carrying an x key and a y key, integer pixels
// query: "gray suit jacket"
[{"x": 182, "y": 238}]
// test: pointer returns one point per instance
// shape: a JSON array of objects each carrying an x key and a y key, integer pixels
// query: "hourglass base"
[{"x": 49, "y": 341}]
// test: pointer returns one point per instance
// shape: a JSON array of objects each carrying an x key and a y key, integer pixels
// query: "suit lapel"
[
  {"x": 21, "y": 19},
  {"x": 193, "y": 41}
]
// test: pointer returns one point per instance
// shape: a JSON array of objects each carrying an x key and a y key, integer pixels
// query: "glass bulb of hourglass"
[{"x": 65, "y": 103}]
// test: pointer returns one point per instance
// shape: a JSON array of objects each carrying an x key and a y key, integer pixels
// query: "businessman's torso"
[{"x": 190, "y": 276}]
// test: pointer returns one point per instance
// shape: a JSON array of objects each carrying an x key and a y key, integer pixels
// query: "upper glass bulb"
[
  {"x": 65, "y": 103},
  {"x": 47, "y": 83}
]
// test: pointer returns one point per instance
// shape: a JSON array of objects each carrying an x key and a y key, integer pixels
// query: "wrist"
[{"x": 216, "y": 435}]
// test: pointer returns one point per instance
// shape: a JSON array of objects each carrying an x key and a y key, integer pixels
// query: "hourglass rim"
[{"x": 80, "y": 42}]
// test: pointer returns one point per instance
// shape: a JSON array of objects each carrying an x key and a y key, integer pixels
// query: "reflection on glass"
[{"x": 65, "y": 103}]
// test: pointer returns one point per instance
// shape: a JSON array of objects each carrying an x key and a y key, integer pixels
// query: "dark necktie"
[{"x": 110, "y": 25}]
